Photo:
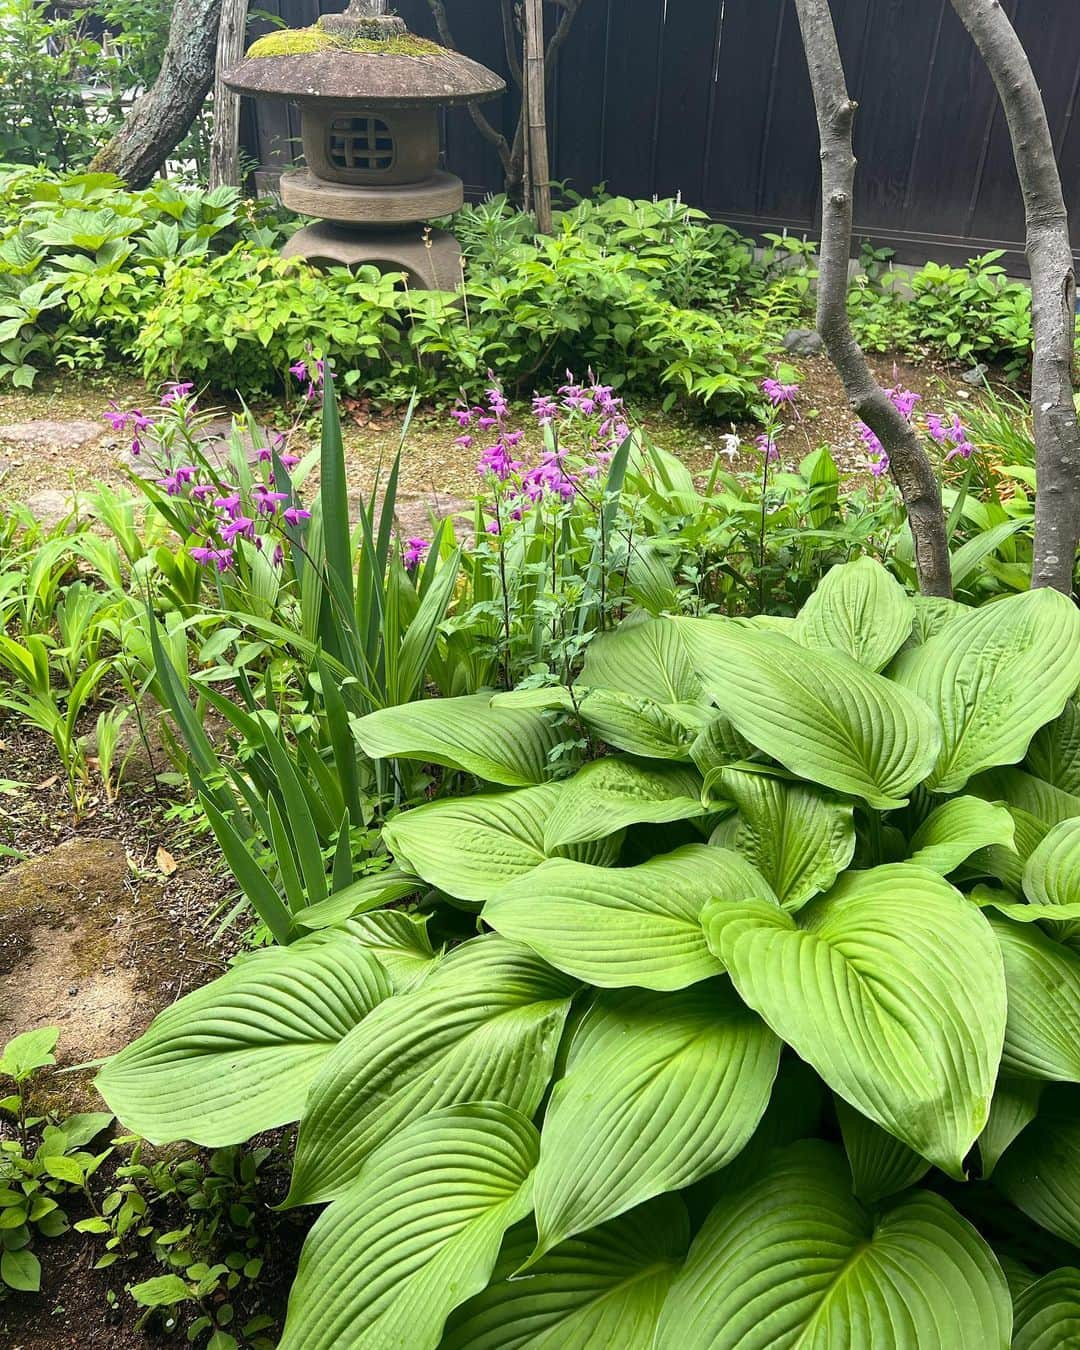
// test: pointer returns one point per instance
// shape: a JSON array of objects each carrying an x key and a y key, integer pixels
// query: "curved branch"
[
  {"x": 909, "y": 464},
  {"x": 483, "y": 126},
  {"x": 1053, "y": 293}
]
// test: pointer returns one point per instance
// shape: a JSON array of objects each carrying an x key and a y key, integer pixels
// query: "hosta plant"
[{"x": 754, "y": 1021}]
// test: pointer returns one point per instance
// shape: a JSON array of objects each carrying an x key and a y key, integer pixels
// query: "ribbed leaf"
[
  {"x": 484, "y": 1026},
  {"x": 993, "y": 679},
  {"x": 625, "y": 925},
  {"x": 1014, "y": 1107},
  {"x": 685, "y": 1077},
  {"x": 820, "y": 714},
  {"x": 613, "y": 792},
  {"x": 470, "y": 847},
  {"x": 892, "y": 987},
  {"x": 416, "y": 1235},
  {"x": 1042, "y": 977},
  {"x": 1054, "y": 754},
  {"x": 1040, "y": 1173},
  {"x": 1052, "y": 873},
  {"x": 602, "y": 1289},
  {"x": 859, "y": 609},
  {"x": 795, "y": 1260},
  {"x": 511, "y": 746},
  {"x": 957, "y": 829},
  {"x": 799, "y": 838},
  {"x": 880, "y": 1164},
  {"x": 647, "y": 660},
  {"x": 1048, "y": 1312},
  {"x": 399, "y": 942},
  {"x": 932, "y": 613},
  {"x": 237, "y": 1056},
  {"x": 638, "y": 725}
]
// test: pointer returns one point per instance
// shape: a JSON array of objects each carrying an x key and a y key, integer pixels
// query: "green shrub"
[{"x": 770, "y": 1030}]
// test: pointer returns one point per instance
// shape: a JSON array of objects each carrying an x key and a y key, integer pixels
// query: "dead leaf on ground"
[{"x": 166, "y": 863}]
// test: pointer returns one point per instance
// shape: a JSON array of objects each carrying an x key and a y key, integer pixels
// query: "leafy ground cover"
[{"x": 362, "y": 715}]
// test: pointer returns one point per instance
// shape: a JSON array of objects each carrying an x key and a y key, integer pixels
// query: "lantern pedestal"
[
  {"x": 370, "y": 95},
  {"x": 430, "y": 258}
]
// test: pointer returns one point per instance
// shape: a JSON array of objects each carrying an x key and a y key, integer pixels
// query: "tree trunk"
[
  {"x": 909, "y": 464},
  {"x": 225, "y": 147},
  {"x": 161, "y": 117},
  {"x": 1053, "y": 293}
]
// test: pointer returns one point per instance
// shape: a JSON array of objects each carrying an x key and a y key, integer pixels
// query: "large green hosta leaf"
[
  {"x": 794, "y": 1260},
  {"x": 647, "y": 660},
  {"x": 618, "y": 926},
  {"x": 880, "y": 1164},
  {"x": 858, "y": 609},
  {"x": 1042, "y": 1033},
  {"x": 639, "y": 726},
  {"x": 470, "y": 847},
  {"x": 485, "y": 1025},
  {"x": 1052, "y": 873},
  {"x": 1014, "y": 1107},
  {"x": 1040, "y": 1173},
  {"x": 237, "y": 1056},
  {"x": 399, "y": 942},
  {"x": 1054, "y": 754},
  {"x": 512, "y": 746},
  {"x": 892, "y": 987},
  {"x": 416, "y": 1235},
  {"x": 820, "y": 714},
  {"x": 957, "y": 829},
  {"x": 993, "y": 679},
  {"x": 613, "y": 792},
  {"x": 799, "y": 838},
  {"x": 685, "y": 1078},
  {"x": 1048, "y": 1312},
  {"x": 602, "y": 1289}
]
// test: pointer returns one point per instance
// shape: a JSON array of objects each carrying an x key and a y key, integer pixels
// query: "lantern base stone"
[{"x": 430, "y": 258}]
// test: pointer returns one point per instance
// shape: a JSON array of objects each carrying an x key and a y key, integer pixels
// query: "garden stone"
[
  {"x": 41, "y": 433},
  {"x": 49, "y": 507},
  {"x": 976, "y": 375},
  {"x": 66, "y": 936},
  {"x": 803, "y": 342}
]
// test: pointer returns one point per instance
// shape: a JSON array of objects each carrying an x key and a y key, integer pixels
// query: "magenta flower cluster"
[
  {"x": 311, "y": 373},
  {"x": 221, "y": 512},
  {"x": 951, "y": 435},
  {"x": 583, "y": 424}
]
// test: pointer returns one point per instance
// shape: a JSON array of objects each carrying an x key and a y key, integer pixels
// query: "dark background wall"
[{"x": 711, "y": 98}]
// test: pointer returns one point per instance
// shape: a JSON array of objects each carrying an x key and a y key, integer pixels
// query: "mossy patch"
[{"x": 303, "y": 41}]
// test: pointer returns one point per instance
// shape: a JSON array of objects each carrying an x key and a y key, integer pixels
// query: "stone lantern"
[{"x": 369, "y": 93}]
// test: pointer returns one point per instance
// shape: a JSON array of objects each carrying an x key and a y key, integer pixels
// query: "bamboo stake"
[
  {"x": 225, "y": 147},
  {"x": 536, "y": 109}
]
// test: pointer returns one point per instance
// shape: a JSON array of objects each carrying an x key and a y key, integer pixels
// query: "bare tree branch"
[
  {"x": 483, "y": 126},
  {"x": 910, "y": 466},
  {"x": 510, "y": 43},
  {"x": 1053, "y": 293}
]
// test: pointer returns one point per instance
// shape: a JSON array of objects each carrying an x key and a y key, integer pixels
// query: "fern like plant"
[{"x": 769, "y": 1034}]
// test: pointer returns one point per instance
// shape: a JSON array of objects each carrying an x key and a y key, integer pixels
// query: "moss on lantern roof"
[{"x": 302, "y": 41}]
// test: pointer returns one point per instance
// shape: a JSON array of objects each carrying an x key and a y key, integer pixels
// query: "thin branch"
[
  {"x": 485, "y": 128},
  {"x": 909, "y": 464},
  {"x": 1053, "y": 293},
  {"x": 510, "y": 42}
]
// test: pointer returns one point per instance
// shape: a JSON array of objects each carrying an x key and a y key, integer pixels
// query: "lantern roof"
[{"x": 360, "y": 56}]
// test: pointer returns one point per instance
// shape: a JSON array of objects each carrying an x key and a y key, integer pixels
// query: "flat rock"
[
  {"x": 49, "y": 507},
  {"x": 46, "y": 434},
  {"x": 66, "y": 926},
  {"x": 803, "y": 342}
]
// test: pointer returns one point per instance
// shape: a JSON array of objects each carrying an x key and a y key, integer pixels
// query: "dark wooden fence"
[{"x": 711, "y": 98}]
